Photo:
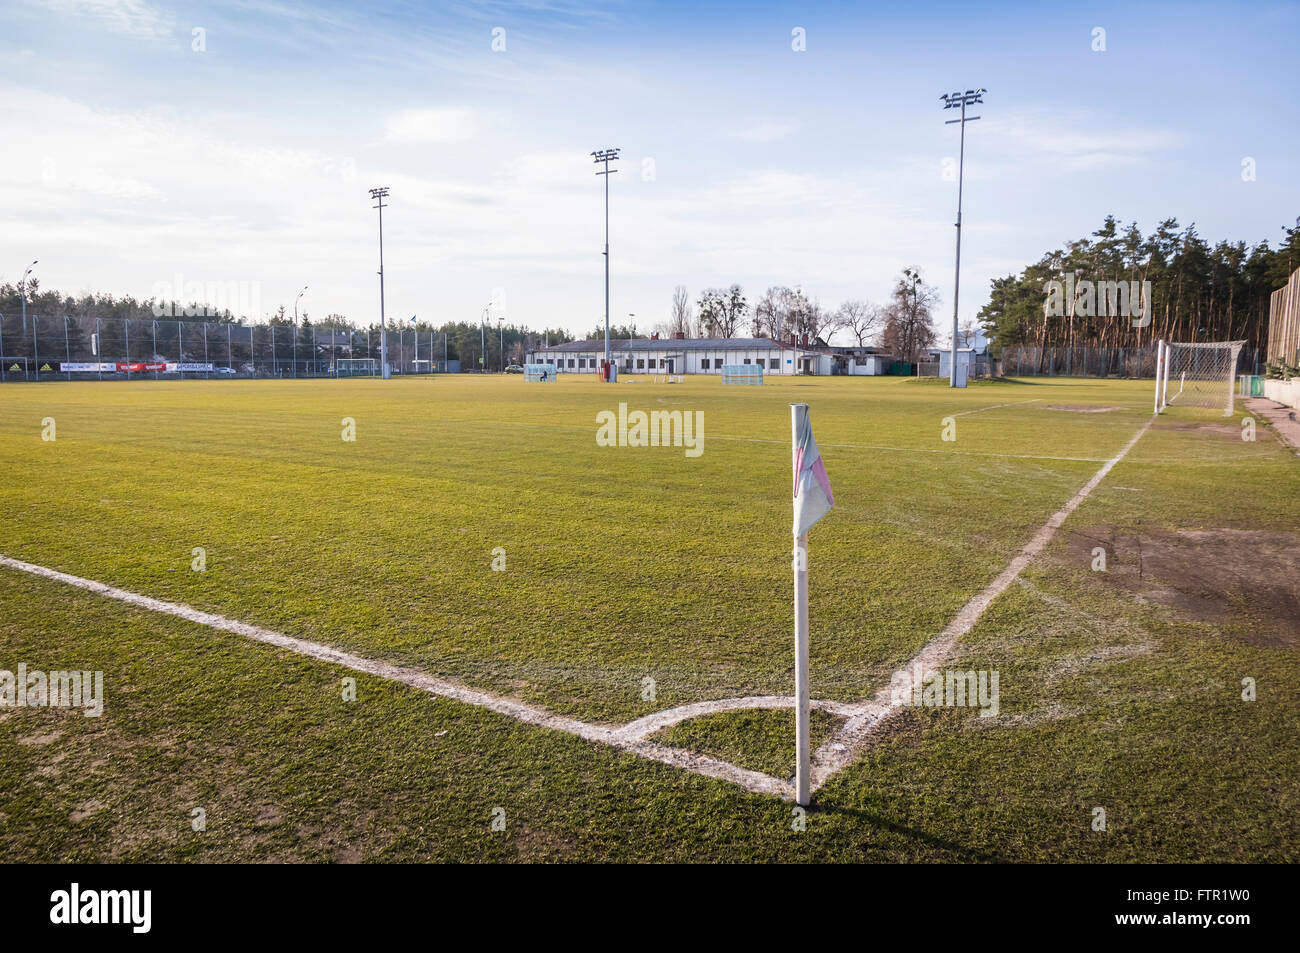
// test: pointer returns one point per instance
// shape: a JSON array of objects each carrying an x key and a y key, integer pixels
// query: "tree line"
[{"x": 1190, "y": 290}]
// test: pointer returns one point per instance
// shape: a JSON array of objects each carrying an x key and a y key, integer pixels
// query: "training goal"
[
  {"x": 540, "y": 372},
  {"x": 356, "y": 367},
  {"x": 1196, "y": 375},
  {"x": 742, "y": 374}
]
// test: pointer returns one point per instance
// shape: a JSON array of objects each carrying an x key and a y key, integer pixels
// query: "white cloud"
[
  {"x": 429, "y": 125},
  {"x": 766, "y": 130},
  {"x": 129, "y": 17},
  {"x": 1079, "y": 141}
]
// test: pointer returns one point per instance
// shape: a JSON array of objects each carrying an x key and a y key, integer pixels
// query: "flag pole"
[{"x": 803, "y": 754}]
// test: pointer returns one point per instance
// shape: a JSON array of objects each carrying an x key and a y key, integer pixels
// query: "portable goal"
[
  {"x": 540, "y": 372},
  {"x": 1197, "y": 375},
  {"x": 742, "y": 374},
  {"x": 356, "y": 367}
]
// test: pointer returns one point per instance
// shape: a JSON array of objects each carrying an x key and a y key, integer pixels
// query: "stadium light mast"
[
  {"x": 295, "y": 330},
  {"x": 379, "y": 196},
  {"x": 959, "y": 100},
  {"x": 22, "y": 289},
  {"x": 606, "y": 156}
]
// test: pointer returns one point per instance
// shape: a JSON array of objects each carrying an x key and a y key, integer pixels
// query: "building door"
[{"x": 670, "y": 366}]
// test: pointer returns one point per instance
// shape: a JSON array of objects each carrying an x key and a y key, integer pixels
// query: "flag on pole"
[{"x": 812, "y": 488}]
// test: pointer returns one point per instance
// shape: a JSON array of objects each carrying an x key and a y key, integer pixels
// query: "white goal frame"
[{"x": 1200, "y": 374}]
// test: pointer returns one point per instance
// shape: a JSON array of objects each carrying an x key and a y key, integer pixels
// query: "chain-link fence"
[{"x": 38, "y": 347}]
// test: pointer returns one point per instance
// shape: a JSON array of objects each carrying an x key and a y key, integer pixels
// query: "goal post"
[
  {"x": 1197, "y": 375},
  {"x": 1160, "y": 376}
]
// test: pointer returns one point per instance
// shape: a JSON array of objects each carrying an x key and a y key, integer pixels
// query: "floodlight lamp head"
[
  {"x": 606, "y": 155},
  {"x": 379, "y": 193}
]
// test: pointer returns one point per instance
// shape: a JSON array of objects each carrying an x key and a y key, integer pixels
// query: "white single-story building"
[
  {"x": 861, "y": 361},
  {"x": 965, "y": 355},
  {"x": 682, "y": 355}
]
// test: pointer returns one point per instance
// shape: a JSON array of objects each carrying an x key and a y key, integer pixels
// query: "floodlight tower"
[
  {"x": 378, "y": 195},
  {"x": 295, "y": 329},
  {"x": 22, "y": 289},
  {"x": 959, "y": 100},
  {"x": 606, "y": 156}
]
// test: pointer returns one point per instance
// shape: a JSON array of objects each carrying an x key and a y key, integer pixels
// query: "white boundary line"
[
  {"x": 835, "y": 754},
  {"x": 830, "y": 759},
  {"x": 980, "y": 410}
]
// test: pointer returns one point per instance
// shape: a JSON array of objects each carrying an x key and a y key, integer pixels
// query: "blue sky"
[{"x": 133, "y": 160}]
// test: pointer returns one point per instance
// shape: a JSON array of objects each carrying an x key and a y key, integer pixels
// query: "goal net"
[
  {"x": 356, "y": 367},
  {"x": 1198, "y": 375},
  {"x": 742, "y": 374},
  {"x": 539, "y": 373}
]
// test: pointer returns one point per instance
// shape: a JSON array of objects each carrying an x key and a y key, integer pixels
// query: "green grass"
[{"x": 624, "y": 563}]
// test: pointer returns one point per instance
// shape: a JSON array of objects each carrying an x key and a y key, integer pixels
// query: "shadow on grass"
[{"x": 929, "y": 840}]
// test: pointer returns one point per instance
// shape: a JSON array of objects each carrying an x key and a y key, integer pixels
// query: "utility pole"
[
  {"x": 501, "y": 345},
  {"x": 955, "y": 101},
  {"x": 606, "y": 156},
  {"x": 379, "y": 195}
]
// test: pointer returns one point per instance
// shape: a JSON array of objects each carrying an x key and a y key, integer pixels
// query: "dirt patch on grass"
[
  {"x": 84, "y": 810},
  {"x": 1224, "y": 430},
  {"x": 1078, "y": 408},
  {"x": 1247, "y": 581}
]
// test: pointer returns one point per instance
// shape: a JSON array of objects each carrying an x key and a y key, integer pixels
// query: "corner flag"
[
  {"x": 812, "y": 488},
  {"x": 812, "y": 500}
]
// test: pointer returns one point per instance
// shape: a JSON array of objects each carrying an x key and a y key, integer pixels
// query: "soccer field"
[{"x": 475, "y": 531}]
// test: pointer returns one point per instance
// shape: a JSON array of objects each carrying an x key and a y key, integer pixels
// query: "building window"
[
  {"x": 774, "y": 364},
  {"x": 717, "y": 363},
  {"x": 746, "y": 360},
  {"x": 571, "y": 362},
  {"x": 582, "y": 362},
  {"x": 662, "y": 363},
  {"x": 640, "y": 363}
]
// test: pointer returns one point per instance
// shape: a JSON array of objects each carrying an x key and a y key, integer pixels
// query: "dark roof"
[{"x": 668, "y": 344}]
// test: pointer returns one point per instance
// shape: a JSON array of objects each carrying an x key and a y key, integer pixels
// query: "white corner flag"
[
  {"x": 812, "y": 489},
  {"x": 812, "y": 500}
]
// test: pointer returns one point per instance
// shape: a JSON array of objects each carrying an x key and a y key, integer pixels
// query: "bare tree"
[
  {"x": 679, "y": 320},
  {"x": 722, "y": 311},
  {"x": 862, "y": 319},
  {"x": 818, "y": 322},
  {"x": 909, "y": 326},
  {"x": 769, "y": 313}
]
